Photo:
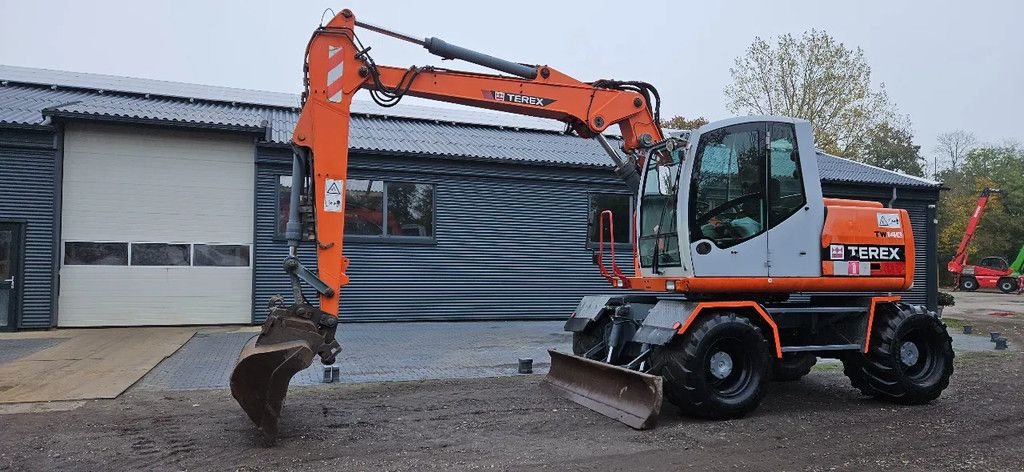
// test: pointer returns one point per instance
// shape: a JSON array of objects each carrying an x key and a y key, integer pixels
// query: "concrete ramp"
[{"x": 86, "y": 364}]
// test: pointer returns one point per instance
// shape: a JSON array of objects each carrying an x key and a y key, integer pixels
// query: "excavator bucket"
[
  {"x": 632, "y": 397},
  {"x": 286, "y": 345},
  {"x": 260, "y": 380}
]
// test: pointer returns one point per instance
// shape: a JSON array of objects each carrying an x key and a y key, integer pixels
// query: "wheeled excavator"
[{"x": 742, "y": 271}]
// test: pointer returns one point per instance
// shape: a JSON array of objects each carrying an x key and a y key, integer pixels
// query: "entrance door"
[{"x": 10, "y": 271}]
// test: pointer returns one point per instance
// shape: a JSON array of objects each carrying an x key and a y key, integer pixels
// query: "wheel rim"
[
  {"x": 909, "y": 354},
  {"x": 1006, "y": 286},
  {"x": 729, "y": 366},
  {"x": 721, "y": 365},
  {"x": 918, "y": 355}
]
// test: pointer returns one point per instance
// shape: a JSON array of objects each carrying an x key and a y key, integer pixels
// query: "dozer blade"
[
  {"x": 631, "y": 397},
  {"x": 286, "y": 345},
  {"x": 260, "y": 380}
]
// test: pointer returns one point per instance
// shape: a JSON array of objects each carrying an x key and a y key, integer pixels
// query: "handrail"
[{"x": 616, "y": 272}]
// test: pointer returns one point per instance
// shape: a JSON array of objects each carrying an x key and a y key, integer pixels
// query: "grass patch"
[
  {"x": 954, "y": 323},
  {"x": 966, "y": 358},
  {"x": 829, "y": 367}
]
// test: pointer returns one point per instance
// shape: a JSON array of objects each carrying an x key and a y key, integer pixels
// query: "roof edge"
[{"x": 927, "y": 182}]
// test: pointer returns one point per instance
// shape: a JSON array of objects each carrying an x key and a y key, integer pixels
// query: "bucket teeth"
[{"x": 631, "y": 397}]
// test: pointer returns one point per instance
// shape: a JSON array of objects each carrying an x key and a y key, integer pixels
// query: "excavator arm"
[{"x": 337, "y": 66}]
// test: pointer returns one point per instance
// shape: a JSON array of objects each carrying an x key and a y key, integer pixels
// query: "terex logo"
[
  {"x": 510, "y": 97},
  {"x": 874, "y": 253}
]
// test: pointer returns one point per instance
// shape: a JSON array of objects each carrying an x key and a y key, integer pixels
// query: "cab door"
[
  {"x": 728, "y": 208},
  {"x": 796, "y": 210}
]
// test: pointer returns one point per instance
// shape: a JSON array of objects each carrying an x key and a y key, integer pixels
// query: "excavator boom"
[{"x": 337, "y": 66}]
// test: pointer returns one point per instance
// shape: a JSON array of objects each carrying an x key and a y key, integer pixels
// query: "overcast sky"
[{"x": 946, "y": 64}]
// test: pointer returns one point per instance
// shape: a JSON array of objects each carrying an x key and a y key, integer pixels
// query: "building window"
[
  {"x": 157, "y": 254},
  {"x": 161, "y": 254},
  {"x": 364, "y": 207},
  {"x": 375, "y": 208},
  {"x": 410, "y": 209},
  {"x": 93, "y": 253},
  {"x": 220, "y": 255},
  {"x": 621, "y": 208}
]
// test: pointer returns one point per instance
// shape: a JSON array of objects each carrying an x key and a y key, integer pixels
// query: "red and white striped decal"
[{"x": 335, "y": 67}]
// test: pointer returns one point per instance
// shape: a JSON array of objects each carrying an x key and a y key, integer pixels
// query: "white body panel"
[{"x": 148, "y": 185}]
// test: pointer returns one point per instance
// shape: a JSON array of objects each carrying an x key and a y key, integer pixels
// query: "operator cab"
[
  {"x": 743, "y": 195},
  {"x": 995, "y": 263}
]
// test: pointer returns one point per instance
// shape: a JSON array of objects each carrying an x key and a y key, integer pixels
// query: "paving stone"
[{"x": 377, "y": 352}]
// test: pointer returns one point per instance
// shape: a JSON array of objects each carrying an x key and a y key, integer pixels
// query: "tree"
[
  {"x": 953, "y": 146},
  {"x": 680, "y": 122},
  {"x": 892, "y": 147},
  {"x": 815, "y": 78}
]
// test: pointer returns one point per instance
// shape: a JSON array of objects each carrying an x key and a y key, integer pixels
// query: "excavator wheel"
[
  {"x": 584, "y": 341},
  {"x": 717, "y": 370},
  {"x": 793, "y": 366},
  {"x": 910, "y": 359},
  {"x": 969, "y": 284}
]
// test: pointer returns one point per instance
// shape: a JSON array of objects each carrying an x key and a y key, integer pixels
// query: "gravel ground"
[{"x": 516, "y": 423}]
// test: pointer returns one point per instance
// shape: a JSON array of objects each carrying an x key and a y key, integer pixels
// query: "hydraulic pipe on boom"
[{"x": 337, "y": 66}]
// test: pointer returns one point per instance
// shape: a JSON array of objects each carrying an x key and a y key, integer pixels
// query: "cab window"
[
  {"x": 785, "y": 183},
  {"x": 728, "y": 202},
  {"x": 996, "y": 263}
]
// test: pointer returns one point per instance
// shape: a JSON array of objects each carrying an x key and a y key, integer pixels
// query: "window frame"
[
  {"x": 628, "y": 244},
  {"x": 191, "y": 254},
  {"x": 372, "y": 238},
  {"x": 64, "y": 251}
]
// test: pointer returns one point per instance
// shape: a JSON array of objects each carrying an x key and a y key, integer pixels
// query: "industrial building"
[{"x": 127, "y": 202}]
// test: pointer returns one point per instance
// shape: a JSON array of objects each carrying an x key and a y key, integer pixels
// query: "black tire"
[
  {"x": 1007, "y": 285},
  {"x": 910, "y": 359},
  {"x": 690, "y": 380},
  {"x": 597, "y": 332},
  {"x": 969, "y": 284},
  {"x": 793, "y": 366}
]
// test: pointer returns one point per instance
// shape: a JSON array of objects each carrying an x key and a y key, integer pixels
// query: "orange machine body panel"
[{"x": 865, "y": 247}]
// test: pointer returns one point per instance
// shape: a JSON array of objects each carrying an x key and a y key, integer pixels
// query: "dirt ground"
[{"x": 516, "y": 423}]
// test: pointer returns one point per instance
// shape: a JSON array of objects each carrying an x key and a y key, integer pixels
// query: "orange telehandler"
[{"x": 730, "y": 222}]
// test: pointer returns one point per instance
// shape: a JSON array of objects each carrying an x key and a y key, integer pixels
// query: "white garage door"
[{"x": 156, "y": 227}]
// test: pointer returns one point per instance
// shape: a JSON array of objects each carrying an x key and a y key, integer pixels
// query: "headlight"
[{"x": 670, "y": 285}]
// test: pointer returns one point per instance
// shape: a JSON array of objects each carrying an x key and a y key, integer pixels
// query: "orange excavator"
[{"x": 742, "y": 271}]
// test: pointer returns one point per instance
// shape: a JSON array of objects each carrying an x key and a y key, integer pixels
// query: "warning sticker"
[
  {"x": 888, "y": 220},
  {"x": 333, "y": 191}
]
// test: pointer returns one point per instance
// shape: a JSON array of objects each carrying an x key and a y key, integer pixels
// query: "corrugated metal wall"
[
  {"x": 509, "y": 242},
  {"x": 506, "y": 248},
  {"x": 27, "y": 176}
]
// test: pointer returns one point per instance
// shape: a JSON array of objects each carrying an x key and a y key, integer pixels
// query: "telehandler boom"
[{"x": 729, "y": 223}]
